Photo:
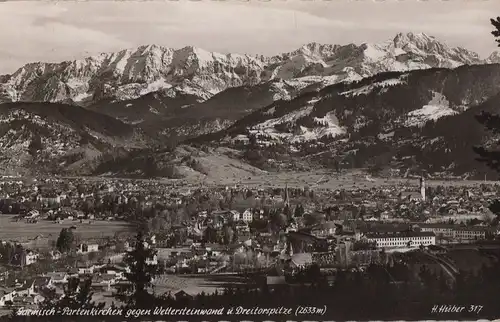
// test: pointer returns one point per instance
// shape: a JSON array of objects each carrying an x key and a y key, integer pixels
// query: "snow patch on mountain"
[
  {"x": 329, "y": 126},
  {"x": 365, "y": 90},
  {"x": 268, "y": 126},
  {"x": 438, "y": 107},
  {"x": 306, "y": 134},
  {"x": 155, "y": 86},
  {"x": 374, "y": 53}
]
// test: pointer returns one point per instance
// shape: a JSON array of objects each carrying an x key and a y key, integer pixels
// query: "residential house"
[
  {"x": 6, "y": 295},
  {"x": 88, "y": 248},
  {"x": 247, "y": 216},
  {"x": 27, "y": 288},
  {"x": 328, "y": 228},
  {"x": 24, "y": 301},
  {"x": 118, "y": 274},
  {"x": 41, "y": 282},
  {"x": 224, "y": 216},
  {"x": 103, "y": 281},
  {"x": 215, "y": 249},
  {"x": 25, "y": 257},
  {"x": 242, "y": 226},
  {"x": 31, "y": 257},
  {"x": 55, "y": 254},
  {"x": 49, "y": 200},
  {"x": 410, "y": 196},
  {"x": 85, "y": 269},
  {"x": 58, "y": 277},
  {"x": 33, "y": 214},
  {"x": 152, "y": 261}
]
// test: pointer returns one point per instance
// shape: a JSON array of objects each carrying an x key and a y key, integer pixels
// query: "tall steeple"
[
  {"x": 422, "y": 187},
  {"x": 287, "y": 199}
]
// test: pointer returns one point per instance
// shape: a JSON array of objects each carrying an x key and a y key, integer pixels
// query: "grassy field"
[
  {"x": 194, "y": 284},
  {"x": 23, "y": 232},
  {"x": 330, "y": 180}
]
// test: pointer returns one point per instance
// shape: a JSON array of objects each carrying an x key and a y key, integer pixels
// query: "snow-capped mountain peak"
[
  {"x": 131, "y": 73},
  {"x": 494, "y": 58},
  {"x": 403, "y": 39}
]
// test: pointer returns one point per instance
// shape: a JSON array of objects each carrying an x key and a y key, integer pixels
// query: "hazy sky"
[{"x": 63, "y": 30}]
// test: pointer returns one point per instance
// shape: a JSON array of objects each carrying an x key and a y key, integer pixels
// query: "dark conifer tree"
[
  {"x": 140, "y": 275},
  {"x": 491, "y": 155}
]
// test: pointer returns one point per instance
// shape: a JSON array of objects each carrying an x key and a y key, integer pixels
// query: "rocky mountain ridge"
[
  {"x": 395, "y": 105},
  {"x": 132, "y": 73}
]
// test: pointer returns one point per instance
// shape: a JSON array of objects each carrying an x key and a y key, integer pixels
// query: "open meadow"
[
  {"x": 331, "y": 180},
  {"x": 21, "y": 231},
  {"x": 194, "y": 284}
]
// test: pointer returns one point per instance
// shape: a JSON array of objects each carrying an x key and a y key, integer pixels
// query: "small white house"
[
  {"x": 152, "y": 261},
  {"x": 88, "y": 248},
  {"x": 247, "y": 216},
  {"x": 6, "y": 295}
]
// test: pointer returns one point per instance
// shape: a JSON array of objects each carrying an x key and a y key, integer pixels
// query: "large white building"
[
  {"x": 457, "y": 233},
  {"x": 404, "y": 239}
]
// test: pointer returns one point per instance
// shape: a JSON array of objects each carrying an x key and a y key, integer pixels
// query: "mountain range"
[
  {"x": 132, "y": 73},
  {"x": 319, "y": 102}
]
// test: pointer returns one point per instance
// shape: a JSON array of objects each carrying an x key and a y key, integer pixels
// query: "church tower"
[
  {"x": 422, "y": 188},
  {"x": 287, "y": 198}
]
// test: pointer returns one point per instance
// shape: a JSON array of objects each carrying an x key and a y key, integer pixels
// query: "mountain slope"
[
  {"x": 391, "y": 118},
  {"x": 52, "y": 137},
  {"x": 366, "y": 104},
  {"x": 130, "y": 74},
  {"x": 176, "y": 113},
  {"x": 184, "y": 162},
  {"x": 183, "y": 115}
]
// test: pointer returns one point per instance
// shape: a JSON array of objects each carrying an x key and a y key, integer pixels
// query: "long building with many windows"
[
  {"x": 403, "y": 239},
  {"x": 457, "y": 233}
]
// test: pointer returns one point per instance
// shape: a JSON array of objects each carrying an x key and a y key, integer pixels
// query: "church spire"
[
  {"x": 422, "y": 187},
  {"x": 287, "y": 199}
]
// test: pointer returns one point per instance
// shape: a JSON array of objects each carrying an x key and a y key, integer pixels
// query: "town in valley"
[
  {"x": 207, "y": 238},
  {"x": 267, "y": 161}
]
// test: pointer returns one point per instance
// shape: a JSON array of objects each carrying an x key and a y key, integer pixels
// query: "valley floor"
[
  {"x": 314, "y": 179},
  {"x": 39, "y": 234}
]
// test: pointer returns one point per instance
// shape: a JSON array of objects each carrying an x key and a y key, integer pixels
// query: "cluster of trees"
[
  {"x": 145, "y": 160},
  {"x": 36, "y": 145},
  {"x": 386, "y": 291},
  {"x": 309, "y": 122},
  {"x": 8, "y": 252},
  {"x": 197, "y": 166},
  {"x": 226, "y": 235},
  {"x": 11, "y": 207}
]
